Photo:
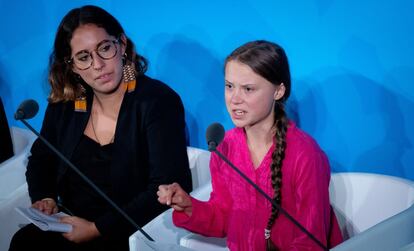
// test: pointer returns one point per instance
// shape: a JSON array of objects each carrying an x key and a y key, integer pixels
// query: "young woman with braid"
[{"x": 281, "y": 159}]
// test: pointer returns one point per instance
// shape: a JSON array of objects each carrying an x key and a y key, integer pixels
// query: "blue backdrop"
[{"x": 351, "y": 63}]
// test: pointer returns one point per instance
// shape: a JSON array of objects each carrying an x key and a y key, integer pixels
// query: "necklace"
[{"x": 94, "y": 132}]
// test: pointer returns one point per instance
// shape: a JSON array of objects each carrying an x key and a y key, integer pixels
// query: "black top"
[
  {"x": 149, "y": 150},
  {"x": 94, "y": 161}
]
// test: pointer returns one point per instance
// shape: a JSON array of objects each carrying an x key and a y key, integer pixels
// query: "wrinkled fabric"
[{"x": 237, "y": 211}]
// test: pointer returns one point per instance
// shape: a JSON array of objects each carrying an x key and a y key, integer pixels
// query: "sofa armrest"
[
  {"x": 391, "y": 234},
  {"x": 199, "y": 242}
]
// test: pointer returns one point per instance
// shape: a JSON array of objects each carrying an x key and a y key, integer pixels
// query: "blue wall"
[{"x": 352, "y": 65}]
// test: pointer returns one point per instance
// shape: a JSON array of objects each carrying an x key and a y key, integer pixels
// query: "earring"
[
  {"x": 80, "y": 101},
  {"x": 128, "y": 74}
]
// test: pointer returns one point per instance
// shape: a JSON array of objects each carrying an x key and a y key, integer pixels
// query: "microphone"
[
  {"x": 214, "y": 136},
  {"x": 27, "y": 110}
]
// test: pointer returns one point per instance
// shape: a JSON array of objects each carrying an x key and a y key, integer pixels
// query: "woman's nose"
[{"x": 97, "y": 62}]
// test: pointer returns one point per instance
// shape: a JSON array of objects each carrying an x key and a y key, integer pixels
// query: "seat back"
[
  {"x": 13, "y": 186},
  {"x": 362, "y": 200},
  {"x": 199, "y": 161},
  {"x": 13, "y": 169}
]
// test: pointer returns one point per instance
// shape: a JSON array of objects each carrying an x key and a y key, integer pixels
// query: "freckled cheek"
[
  {"x": 268, "y": 107},
  {"x": 120, "y": 68},
  {"x": 227, "y": 97},
  {"x": 228, "y": 105}
]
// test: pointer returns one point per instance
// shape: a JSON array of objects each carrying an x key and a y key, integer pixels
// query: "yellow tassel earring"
[
  {"x": 128, "y": 74},
  {"x": 80, "y": 101}
]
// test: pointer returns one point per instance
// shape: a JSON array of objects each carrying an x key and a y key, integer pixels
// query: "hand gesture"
[{"x": 173, "y": 195}]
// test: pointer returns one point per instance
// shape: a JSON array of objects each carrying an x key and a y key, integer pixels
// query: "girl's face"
[
  {"x": 249, "y": 97},
  {"x": 92, "y": 46}
]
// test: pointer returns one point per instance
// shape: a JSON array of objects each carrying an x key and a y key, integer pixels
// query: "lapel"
[
  {"x": 75, "y": 129},
  {"x": 120, "y": 155}
]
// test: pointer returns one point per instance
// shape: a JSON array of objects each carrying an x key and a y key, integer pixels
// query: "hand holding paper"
[{"x": 43, "y": 221}]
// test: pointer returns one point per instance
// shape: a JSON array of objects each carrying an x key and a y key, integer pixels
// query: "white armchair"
[
  {"x": 13, "y": 186},
  {"x": 362, "y": 200},
  {"x": 375, "y": 212}
]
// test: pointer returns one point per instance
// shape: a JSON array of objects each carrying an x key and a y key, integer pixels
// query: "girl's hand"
[{"x": 174, "y": 196}]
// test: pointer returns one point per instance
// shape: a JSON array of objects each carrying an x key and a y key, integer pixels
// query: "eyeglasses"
[{"x": 106, "y": 49}]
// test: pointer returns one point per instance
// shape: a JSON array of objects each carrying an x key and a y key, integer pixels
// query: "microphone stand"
[
  {"x": 87, "y": 180},
  {"x": 212, "y": 148}
]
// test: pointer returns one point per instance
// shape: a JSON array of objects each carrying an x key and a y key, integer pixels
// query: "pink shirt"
[{"x": 238, "y": 211}]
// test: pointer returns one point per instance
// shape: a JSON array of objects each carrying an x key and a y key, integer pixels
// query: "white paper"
[{"x": 43, "y": 221}]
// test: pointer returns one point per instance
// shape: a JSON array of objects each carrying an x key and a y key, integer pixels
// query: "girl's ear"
[{"x": 280, "y": 92}]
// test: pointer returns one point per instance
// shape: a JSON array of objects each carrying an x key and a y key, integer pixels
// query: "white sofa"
[
  {"x": 13, "y": 186},
  {"x": 363, "y": 203}
]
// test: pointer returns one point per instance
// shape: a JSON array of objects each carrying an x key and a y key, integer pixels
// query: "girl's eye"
[{"x": 249, "y": 89}]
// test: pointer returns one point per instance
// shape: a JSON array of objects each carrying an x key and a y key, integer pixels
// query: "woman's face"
[
  {"x": 90, "y": 45},
  {"x": 249, "y": 97}
]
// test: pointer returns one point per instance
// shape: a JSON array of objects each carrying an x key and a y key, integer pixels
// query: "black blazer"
[{"x": 149, "y": 150}]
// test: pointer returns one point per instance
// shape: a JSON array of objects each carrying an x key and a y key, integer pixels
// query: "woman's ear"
[
  {"x": 280, "y": 92},
  {"x": 123, "y": 42},
  {"x": 77, "y": 76},
  {"x": 74, "y": 70}
]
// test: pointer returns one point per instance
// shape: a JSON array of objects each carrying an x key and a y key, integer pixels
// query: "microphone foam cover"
[
  {"x": 27, "y": 109},
  {"x": 215, "y": 133}
]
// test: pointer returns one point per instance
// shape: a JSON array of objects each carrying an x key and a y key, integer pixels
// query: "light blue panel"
[{"x": 351, "y": 63}]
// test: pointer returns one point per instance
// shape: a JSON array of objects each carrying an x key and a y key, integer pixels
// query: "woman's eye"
[
  {"x": 83, "y": 57},
  {"x": 105, "y": 48}
]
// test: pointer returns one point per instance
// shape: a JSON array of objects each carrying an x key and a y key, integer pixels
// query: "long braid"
[{"x": 281, "y": 124}]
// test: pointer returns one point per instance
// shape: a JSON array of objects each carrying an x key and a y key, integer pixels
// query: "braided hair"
[{"x": 269, "y": 60}]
